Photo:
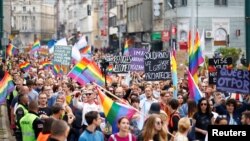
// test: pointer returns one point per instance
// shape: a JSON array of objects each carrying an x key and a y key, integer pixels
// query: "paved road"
[{"x": 5, "y": 134}]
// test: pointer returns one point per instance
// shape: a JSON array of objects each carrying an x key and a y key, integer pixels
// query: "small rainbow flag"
[
  {"x": 126, "y": 51},
  {"x": 194, "y": 91},
  {"x": 6, "y": 87},
  {"x": 46, "y": 64},
  {"x": 57, "y": 71},
  {"x": 25, "y": 66},
  {"x": 110, "y": 68},
  {"x": 174, "y": 73},
  {"x": 11, "y": 50},
  {"x": 86, "y": 50},
  {"x": 44, "y": 51},
  {"x": 113, "y": 111},
  {"x": 35, "y": 46}
]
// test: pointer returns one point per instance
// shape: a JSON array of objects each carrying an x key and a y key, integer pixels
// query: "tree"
[{"x": 230, "y": 52}]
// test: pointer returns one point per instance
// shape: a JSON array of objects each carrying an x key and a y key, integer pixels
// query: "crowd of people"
[{"x": 46, "y": 107}]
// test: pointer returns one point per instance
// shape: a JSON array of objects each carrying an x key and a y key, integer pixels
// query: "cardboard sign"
[
  {"x": 157, "y": 66},
  {"x": 137, "y": 59},
  {"x": 217, "y": 63},
  {"x": 234, "y": 81},
  {"x": 62, "y": 55},
  {"x": 121, "y": 64}
]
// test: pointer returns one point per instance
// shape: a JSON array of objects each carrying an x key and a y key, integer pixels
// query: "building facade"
[
  {"x": 32, "y": 20},
  {"x": 222, "y": 22}
]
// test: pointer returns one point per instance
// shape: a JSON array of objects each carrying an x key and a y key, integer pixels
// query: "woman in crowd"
[
  {"x": 124, "y": 133},
  {"x": 183, "y": 128},
  {"x": 152, "y": 130},
  {"x": 203, "y": 118}
]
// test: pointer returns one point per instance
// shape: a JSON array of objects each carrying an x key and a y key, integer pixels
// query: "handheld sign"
[
  {"x": 234, "y": 81},
  {"x": 217, "y": 63},
  {"x": 157, "y": 66},
  {"x": 121, "y": 64},
  {"x": 137, "y": 59},
  {"x": 62, "y": 55}
]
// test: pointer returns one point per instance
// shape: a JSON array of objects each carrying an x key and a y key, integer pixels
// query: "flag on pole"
[
  {"x": 195, "y": 58},
  {"x": 174, "y": 73},
  {"x": 35, "y": 46},
  {"x": 6, "y": 87},
  {"x": 194, "y": 91},
  {"x": 113, "y": 111},
  {"x": 11, "y": 50}
]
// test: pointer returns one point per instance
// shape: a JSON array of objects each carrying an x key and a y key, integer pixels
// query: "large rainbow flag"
[
  {"x": 87, "y": 71},
  {"x": 6, "y": 87},
  {"x": 195, "y": 57},
  {"x": 113, "y": 111},
  {"x": 35, "y": 46},
  {"x": 46, "y": 64},
  {"x": 11, "y": 50},
  {"x": 25, "y": 66},
  {"x": 194, "y": 91}
]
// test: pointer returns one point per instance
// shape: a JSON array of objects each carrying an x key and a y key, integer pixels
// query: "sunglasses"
[{"x": 205, "y": 104}]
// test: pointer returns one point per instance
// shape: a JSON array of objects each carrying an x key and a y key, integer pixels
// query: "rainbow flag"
[
  {"x": 35, "y": 46},
  {"x": 86, "y": 50},
  {"x": 174, "y": 73},
  {"x": 126, "y": 51},
  {"x": 6, "y": 87},
  {"x": 113, "y": 111},
  {"x": 57, "y": 71},
  {"x": 195, "y": 57},
  {"x": 110, "y": 68},
  {"x": 44, "y": 51},
  {"x": 46, "y": 64},
  {"x": 194, "y": 91},
  {"x": 87, "y": 71},
  {"x": 25, "y": 66},
  {"x": 11, "y": 50}
]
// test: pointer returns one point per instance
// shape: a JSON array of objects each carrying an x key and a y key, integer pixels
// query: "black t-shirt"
[
  {"x": 45, "y": 111},
  {"x": 202, "y": 122}
]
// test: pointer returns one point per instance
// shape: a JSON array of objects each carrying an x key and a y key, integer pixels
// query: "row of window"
[
  {"x": 134, "y": 12},
  {"x": 172, "y": 3},
  {"x": 25, "y": 9}
]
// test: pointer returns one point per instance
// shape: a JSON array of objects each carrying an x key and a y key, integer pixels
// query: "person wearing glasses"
[
  {"x": 203, "y": 117},
  {"x": 152, "y": 130},
  {"x": 89, "y": 105}
]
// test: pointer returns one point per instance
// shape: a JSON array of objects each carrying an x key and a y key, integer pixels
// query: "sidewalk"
[{"x": 5, "y": 133}]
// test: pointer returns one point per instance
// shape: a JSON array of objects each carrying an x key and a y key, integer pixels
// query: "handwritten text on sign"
[
  {"x": 235, "y": 81},
  {"x": 137, "y": 59},
  {"x": 62, "y": 55},
  {"x": 121, "y": 64},
  {"x": 214, "y": 64},
  {"x": 157, "y": 66}
]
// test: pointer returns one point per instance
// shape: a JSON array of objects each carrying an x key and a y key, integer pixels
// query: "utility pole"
[
  {"x": 247, "y": 14},
  {"x": 1, "y": 27}
]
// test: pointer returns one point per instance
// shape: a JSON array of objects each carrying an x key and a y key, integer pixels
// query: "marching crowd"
[{"x": 46, "y": 107}]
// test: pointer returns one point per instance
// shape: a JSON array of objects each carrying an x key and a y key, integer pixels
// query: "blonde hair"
[{"x": 184, "y": 124}]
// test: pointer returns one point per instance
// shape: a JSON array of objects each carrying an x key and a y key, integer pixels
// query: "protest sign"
[
  {"x": 157, "y": 66},
  {"x": 121, "y": 64},
  {"x": 137, "y": 59},
  {"x": 234, "y": 81},
  {"x": 217, "y": 63},
  {"x": 62, "y": 55}
]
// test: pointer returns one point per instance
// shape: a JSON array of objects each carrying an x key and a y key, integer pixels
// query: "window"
[
  {"x": 220, "y": 2},
  {"x": 172, "y": 2},
  {"x": 112, "y": 3},
  {"x": 183, "y": 2},
  {"x": 112, "y": 21},
  {"x": 121, "y": 11},
  {"x": 34, "y": 9},
  {"x": 24, "y": 9}
]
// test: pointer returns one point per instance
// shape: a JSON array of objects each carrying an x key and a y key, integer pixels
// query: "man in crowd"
[
  {"x": 59, "y": 131},
  {"x": 245, "y": 118},
  {"x": 94, "y": 120},
  {"x": 31, "y": 125}
]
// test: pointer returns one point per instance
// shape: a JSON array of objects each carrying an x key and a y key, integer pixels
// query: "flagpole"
[{"x": 126, "y": 103}]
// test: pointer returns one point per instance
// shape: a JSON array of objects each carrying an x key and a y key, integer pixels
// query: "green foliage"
[{"x": 230, "y": 52}]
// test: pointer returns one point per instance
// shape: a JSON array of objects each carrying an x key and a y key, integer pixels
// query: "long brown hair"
[{"x": 148, "y": 132}]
